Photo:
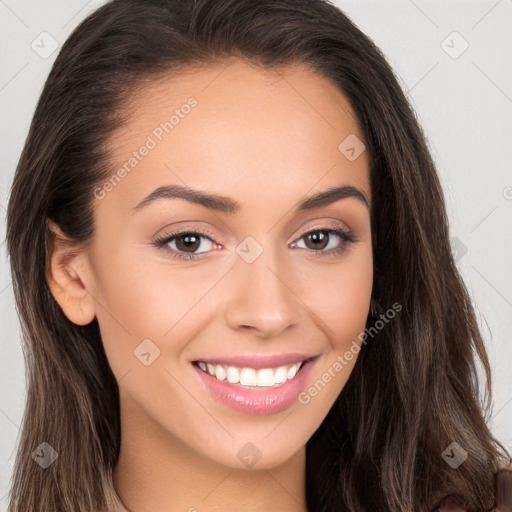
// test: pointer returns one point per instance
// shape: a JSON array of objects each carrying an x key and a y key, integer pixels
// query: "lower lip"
[{"x": 258, "y": 400}]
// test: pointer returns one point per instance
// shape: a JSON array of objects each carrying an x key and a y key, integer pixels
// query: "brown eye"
[
  {"x": 326, "y": 241},
  {"x": 317, "y": 240},
  {"x": 185, "y": 244},
  {"x": 188, "y": 242}
]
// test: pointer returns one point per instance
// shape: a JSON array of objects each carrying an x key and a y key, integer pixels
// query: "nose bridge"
[{"x": 260, "y": 296}]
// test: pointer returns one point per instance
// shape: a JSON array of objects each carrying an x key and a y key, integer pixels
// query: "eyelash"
[{"x": 161, "y": 241}]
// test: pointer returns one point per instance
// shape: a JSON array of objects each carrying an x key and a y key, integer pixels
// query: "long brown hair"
[{"x": 414, "y": 389}]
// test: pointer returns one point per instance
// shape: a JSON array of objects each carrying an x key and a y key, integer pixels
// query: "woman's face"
[{"x": 263, "y": 277}]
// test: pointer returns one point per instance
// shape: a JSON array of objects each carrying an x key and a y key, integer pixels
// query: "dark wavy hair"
[{"x": 414, "y": 388}]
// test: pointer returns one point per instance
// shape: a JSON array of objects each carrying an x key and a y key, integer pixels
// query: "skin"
[{"x": 266, "y": 139}]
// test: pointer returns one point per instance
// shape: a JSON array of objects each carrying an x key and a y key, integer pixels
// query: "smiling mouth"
[{"x": 251, "y": 378}]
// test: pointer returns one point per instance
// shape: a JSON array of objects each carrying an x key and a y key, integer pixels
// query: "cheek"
[
  {"x": 141, "y": 298},
  {"x": 341, "y": 302},
  {"x": 339, "y": 295}
]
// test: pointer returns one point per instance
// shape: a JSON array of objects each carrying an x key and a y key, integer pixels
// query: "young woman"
[{"x": 231, "y": 262}]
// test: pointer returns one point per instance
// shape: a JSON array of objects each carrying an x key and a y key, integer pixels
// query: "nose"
[{"x": 261, "y": 298}]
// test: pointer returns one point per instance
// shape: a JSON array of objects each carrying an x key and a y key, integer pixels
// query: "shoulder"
[
  {"x": 503, "y": 483},
  {"x": 451, "y": 503}
]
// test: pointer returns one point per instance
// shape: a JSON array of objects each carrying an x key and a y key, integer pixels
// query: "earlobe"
[{"x": 66, "y": 277}]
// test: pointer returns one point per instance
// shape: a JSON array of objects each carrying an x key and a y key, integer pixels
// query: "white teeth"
[
  {"x": 220, "y": 372},
  {"x": 232, "y": 374},
  {"x": 291, "y": 372},
  {"x": 248, "y": 377},
  {"x": 281, "y": 374},
  {"x": 264, "y": 377}
]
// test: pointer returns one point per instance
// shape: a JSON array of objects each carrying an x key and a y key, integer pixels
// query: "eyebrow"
[{"x": 225, "y": 204}]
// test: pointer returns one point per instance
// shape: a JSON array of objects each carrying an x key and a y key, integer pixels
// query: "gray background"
[{"x": 463, "y": 100}]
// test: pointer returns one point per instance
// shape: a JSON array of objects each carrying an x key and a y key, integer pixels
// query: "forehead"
[{"x": 249, "y": 129}]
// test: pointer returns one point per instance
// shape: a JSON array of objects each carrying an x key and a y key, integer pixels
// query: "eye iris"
[
  {"x": 190, "y": 241},
  {"x": 318, "y": 237}
]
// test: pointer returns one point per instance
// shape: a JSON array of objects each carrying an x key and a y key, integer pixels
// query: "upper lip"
[{"x": 258, "y": 360}]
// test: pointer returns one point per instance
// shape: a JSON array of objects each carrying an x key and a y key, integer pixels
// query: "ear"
[{"x": 66, "y": 272}]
